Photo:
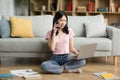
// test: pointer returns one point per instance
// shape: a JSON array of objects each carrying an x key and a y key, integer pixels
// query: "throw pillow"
[
  {"x": 21, "y": 27},
  {"x": 5, "y": 29},
  {"x": 95, "y": 30}
]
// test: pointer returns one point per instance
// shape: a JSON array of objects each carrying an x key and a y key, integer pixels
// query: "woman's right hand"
[{"x": 56, "y": 27}]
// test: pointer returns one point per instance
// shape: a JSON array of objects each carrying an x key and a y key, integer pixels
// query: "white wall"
[{"x": 7, "y": 7}]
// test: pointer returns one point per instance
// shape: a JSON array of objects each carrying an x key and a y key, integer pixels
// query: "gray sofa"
[{"x": 108, "y": 43}]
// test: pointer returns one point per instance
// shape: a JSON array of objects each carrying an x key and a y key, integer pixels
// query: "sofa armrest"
[{"x": 113, "y": 34}]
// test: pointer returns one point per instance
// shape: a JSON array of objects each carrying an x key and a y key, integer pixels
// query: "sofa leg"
[
  {"x": 115, "y": 60},
  {"x": 106, "y": 57}
]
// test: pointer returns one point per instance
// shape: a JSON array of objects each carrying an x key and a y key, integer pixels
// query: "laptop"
[{"x": 86, "y": 51}]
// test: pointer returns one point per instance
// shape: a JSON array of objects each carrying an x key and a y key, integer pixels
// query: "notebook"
[
  {"x": 106, "y": 75},
  {"x": 87, "y": 51},
  {"x": 6, "y": 75}
]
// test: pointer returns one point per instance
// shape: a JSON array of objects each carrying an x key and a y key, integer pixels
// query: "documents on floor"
[
  {"x": 106, "y": 75},
  {"x": 28, "y": 74}
]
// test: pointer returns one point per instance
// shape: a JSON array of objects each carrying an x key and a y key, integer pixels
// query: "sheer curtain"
[{"x": 7, "y": 7}]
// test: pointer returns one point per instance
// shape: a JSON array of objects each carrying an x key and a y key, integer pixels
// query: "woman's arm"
[
  {"x": 52, "y": 42},
  {"x": 71, "y": 46}
]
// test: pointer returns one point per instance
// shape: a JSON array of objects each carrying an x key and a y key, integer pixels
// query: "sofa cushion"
[
  {"x": 21, "y": 27},
  {"x": 40, "y": 24},
  {"x": 24, "y": 45},
  {"x": 77, "y": 23},
  {"x": 5, "y": 29},
  {"x": 95, "y": 29},
  {"x": 0, "y": 17},
  {"x": 104, "y": 44}
]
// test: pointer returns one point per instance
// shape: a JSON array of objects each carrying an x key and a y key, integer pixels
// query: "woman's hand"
[
  {"x": 56, "y": 28},
  {"x": 77, "y": 54}
]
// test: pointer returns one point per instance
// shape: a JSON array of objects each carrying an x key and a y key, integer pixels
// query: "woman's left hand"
[{"x": 77, "y": 54}]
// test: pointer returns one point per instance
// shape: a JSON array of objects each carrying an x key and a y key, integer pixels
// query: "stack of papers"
[
  {"x": 106, "y": 75},
  {"x": 28, "y": 74},
  {"x": 23, "y": 72}
]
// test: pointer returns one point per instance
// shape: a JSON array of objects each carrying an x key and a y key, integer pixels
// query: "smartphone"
[{"x": 56, "y": 23}]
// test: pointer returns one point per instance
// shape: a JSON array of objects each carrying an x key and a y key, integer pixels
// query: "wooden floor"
[{"x": 97, "y": 65}]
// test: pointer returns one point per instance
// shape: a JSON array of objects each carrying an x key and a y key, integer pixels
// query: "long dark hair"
[{"x": 57, "y": 16}]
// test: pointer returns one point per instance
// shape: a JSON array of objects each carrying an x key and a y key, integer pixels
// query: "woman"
[{"x": 60, "y": 41}]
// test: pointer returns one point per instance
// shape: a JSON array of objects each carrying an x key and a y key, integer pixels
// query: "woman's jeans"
[{"x": 54, "y": 65}]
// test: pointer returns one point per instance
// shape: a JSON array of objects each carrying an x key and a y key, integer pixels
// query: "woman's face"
[{"x": 62, "y": 22}]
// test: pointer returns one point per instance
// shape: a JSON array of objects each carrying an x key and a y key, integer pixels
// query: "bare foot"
[{"x": 75, "y": 70}]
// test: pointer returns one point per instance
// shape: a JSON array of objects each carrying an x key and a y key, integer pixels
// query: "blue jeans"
[{"x": 54, "y": 65}]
